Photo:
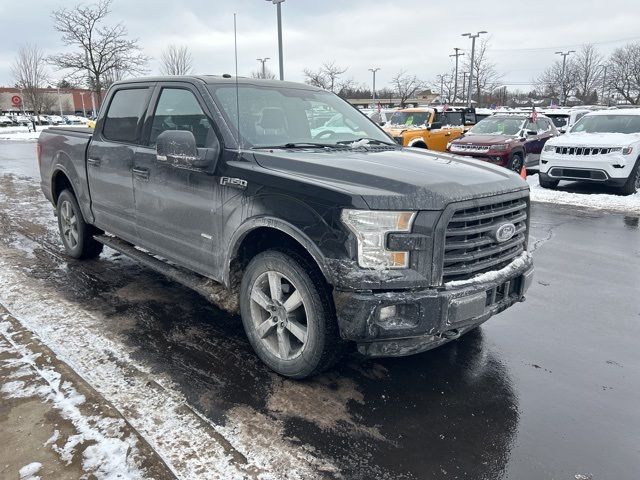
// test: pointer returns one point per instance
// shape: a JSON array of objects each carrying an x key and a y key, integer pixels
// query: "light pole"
[
  {"x": 455, "y": 80},
  {"x": 60, "y": 102},
  {"x": 278, "y": 3},
  {"x": 263, "y": 61},
  {"x": 564, "y": 64},
  {"x": 441, "y": 78},
  {"x": 473, "y": 53},
  {"x": 84, "y": 112},
  {"x": 604, "y": 81},
  {"x": 374, "y": 70}
]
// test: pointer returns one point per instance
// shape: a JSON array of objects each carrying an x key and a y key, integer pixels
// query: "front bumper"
[
  {"x": 501, "y": 159},
  {"x": 612, "y": 168},
  {"x": 428, "y": 318}
]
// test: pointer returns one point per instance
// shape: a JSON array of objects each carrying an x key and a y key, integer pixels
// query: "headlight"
[
  {"x": 370, "y": 228},
  {"x": 624, "y": 151},
  {"x": 499, "y": 148},
  {"x": 549, "y": 148}
]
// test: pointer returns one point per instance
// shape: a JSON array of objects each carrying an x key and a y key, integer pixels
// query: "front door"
[
  {"x": 110, "y": 159},
  {"x": 174, "y": 206}
]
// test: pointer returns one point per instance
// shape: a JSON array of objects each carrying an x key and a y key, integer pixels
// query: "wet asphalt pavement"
[{"x": 549, "y": 389}]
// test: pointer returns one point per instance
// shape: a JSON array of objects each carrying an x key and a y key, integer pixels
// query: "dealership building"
[{"x": 70, "y": 101}]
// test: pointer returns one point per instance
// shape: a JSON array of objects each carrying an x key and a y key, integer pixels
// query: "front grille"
[
  {"x": 578, "y": 173},
  {"x": 469, "y": 148},
  {"x": 470, "y": 246},
  {"x": 582, "y": 150}
]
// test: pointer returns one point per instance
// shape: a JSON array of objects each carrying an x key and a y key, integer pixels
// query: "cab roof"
[
  {"x": 220, "y": 80},
  {"x": 621, "y": 111}
]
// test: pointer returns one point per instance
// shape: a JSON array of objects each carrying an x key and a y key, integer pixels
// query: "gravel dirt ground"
[{"x": 546, "y": 390}]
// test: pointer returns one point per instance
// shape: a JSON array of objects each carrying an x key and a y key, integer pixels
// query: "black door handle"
[
  {"x": 93, "y": 161},
  {"x": 141, "y": 172}
]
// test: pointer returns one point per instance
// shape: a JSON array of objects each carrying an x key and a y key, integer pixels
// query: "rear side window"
[{"x": 125, "y": 111}]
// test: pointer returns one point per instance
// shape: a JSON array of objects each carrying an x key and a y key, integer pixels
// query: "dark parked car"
[
  {"x": 316, "y": 240},
  {"x": 508, "y": 140}
]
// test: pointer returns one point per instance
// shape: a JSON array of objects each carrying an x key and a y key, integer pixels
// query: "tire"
[
  {"x": 76, "y": 234},
  {"x": 516, "y": 163},
  {"x": 550, "y": 184},
  {"x": 632, "y": 185},
  {"x": 295, "y": 342}
]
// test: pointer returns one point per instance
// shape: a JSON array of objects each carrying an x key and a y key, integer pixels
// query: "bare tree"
[
  {"x": 329, "y": 77},
  {"x": 176, "y": 60},
  {"x": 266, "y": 73},
  {"x": 30, "y": 75},
  {"x": 551, "y": 83},
  {"x": 624, "y": 72},
  {"x": 104, "y": 51},
  {"x": 485, "y": 75},
  {"x": 587, "y": 66},
  {"x": 406, "y": 86}
]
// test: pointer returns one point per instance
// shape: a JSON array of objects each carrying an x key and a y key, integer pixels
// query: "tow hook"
[{"x": 451, "y": 334}]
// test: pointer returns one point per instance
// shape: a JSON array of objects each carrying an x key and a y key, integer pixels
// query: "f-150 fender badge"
[{"x": 233, "y": 182}]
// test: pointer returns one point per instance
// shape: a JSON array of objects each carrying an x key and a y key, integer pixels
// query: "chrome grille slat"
[
  {"x": 470, "y": 247},
  {"x": 581, "y": 151}
]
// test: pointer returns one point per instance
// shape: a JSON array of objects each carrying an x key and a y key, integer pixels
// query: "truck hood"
[
  {"x": 396, "y": 179},
  {"x": 582, "y": 139}
]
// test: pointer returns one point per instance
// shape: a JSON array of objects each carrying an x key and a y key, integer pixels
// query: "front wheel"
[
  {"x": 632, "y": 185},
  {"x": 516, "y": 163},
  {"x": 76, "y": 234},
  {"x": 550, "y": 184},
  {"x": 288, "y": 316}
]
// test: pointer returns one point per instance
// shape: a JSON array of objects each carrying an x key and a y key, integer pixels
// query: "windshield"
[
  {"x": 497, "y": 126},
  {"x": 608, "y": 124},
  {"x": 275, "y": 116},
  {"x": 559, "y": 121},
  {"x": 410, "y": 119}
]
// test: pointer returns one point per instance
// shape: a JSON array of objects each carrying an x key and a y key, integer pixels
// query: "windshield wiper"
[
  {"x": 297, "y": 145},
  {"x": 369, "y": 139}
]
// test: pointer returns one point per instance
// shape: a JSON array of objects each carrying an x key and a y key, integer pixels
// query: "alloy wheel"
[
  {"x": 69, "y": 222},
  {"x": 279, "y": 315}
]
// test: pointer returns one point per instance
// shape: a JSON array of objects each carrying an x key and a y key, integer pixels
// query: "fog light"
[{"x": 387, "y": 312}]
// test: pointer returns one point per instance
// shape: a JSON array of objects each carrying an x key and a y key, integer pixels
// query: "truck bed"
[{"x": 82, "y": 131}]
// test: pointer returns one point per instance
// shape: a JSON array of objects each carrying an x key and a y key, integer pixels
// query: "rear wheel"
[
  {"x": 76, "y": 234},
  {"x": 288, "y": 316},
  {"x": 632, "y": 185}
]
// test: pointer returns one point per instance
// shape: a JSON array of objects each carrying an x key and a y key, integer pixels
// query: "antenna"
[{"x": 235, "y": 46}]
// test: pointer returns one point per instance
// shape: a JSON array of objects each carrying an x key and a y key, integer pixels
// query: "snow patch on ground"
[
  {"x": 107, "y": 456},
  {"x": 19, "y": 133},
  {"x": 600, "y": 201}
]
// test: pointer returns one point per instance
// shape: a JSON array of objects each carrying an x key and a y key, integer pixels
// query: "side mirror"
[
  {"x": 178, "y": 148},
  {"x": 531, "y": 133},
  {"x": 382, "y": 124},
  {"x": 435, "y": 126}
]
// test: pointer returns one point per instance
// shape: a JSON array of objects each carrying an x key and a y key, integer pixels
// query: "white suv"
[{"x": 603, "y": 147}]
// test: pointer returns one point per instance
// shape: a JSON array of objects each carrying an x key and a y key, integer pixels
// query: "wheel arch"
[{"x": 264, "y": 233}]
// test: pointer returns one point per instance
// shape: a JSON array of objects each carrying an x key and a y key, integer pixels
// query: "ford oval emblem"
[{"x": 504, "y": 232}]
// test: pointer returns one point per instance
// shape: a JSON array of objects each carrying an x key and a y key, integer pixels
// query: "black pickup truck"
[{"x": 318, "y": 235}]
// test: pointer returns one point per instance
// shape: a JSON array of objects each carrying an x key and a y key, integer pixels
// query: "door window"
[
  {"x": 543, "y": 125},
  {"x": 126, "y": 108},
  {"x": 178, "y": 109}
]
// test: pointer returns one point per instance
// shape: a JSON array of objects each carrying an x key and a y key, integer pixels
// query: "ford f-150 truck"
[{"x": 317, "y": 240}]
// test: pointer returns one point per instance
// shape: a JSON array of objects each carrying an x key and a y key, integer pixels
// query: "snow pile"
[
  {"x": 108, "y": 455},
  {"x": 28, "y": 472},
  {"x": 601, "y": 201}
]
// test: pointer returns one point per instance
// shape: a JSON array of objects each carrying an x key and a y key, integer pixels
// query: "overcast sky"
[{"x": 416, "y": 35}]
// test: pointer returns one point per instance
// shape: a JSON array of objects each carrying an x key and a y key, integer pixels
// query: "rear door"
[
  {"x": 110, "y": 159},
  {"x": 174, "y": 206}
]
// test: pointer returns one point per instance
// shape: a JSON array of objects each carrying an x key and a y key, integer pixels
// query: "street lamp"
[
  {"x": 473, "y": 53},
  {"x": 564, "y": 64},
  {"x": 263, "y": 61},
  {"x": 277, "y": 3},
  {"x": 455, "y": 81},
  {"x": 374, "y": 70}
]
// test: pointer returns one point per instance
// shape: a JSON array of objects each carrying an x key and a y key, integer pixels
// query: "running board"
[{"x": 213, "y": 291}]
